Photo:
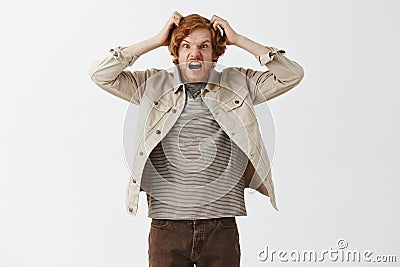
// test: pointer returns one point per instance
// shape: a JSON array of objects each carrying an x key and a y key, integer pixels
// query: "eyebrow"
[{"x": 205, "y": 41}]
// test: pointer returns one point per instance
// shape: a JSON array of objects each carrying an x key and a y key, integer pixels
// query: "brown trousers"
[{"x": 204, "y": 242}]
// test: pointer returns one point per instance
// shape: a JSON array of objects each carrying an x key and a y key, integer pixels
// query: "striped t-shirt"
[{"x": 196, "y": 171}]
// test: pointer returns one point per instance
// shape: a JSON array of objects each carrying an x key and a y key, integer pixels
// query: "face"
[{"x": 195, "y": 55}]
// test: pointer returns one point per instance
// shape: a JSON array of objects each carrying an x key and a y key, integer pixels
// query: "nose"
[{"x": 195, "y": 52}]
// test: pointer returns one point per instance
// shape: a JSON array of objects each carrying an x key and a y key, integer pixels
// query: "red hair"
[{"x": 189, "y": 24}]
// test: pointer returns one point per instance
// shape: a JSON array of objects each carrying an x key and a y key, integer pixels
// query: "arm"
[
  {"x": 110, "y": 74},
  {"x": 283, "y": 73}
]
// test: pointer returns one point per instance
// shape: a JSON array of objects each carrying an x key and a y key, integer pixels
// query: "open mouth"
[{"x": 195, "y": 65}]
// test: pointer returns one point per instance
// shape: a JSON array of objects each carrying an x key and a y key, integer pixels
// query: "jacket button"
[
  {"x": 158, "y": 132},
  {"x": 155, "y": 103},
  {"x": 236, "y": 101},
  {"x": 130, "y": 209},
  {"x": 141, "y": 153},
  {"x": 174, "y": 110}
]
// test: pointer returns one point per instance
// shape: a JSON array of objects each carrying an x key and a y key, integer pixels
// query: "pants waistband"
[{"x": 198, "y": 221}]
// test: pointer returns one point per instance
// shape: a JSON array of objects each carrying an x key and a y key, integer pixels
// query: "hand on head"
[
  {"x": 221, "y": 27},
  {"x": 165, "y": 34},
  {"x": 230, "y": 35}
]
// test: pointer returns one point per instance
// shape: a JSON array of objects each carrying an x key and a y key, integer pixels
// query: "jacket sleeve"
[
  {"x": 110, "y": 75},
  {"x": 282, "y": 75}
]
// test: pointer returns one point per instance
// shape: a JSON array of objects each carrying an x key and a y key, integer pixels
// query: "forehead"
[{"x": 198, "y": 35}]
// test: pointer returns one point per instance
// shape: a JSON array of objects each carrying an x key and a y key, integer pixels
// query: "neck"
[{"x": 184, "y": 81}]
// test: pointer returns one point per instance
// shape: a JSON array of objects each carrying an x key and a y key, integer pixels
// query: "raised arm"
[
  {"x": 110, "y": 73},
  {"x": 283, "y": 73}
]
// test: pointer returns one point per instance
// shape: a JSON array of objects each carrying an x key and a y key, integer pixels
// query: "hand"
[
  {"x": 164, "y": 35},
  {"x": 231, "y": 35}
]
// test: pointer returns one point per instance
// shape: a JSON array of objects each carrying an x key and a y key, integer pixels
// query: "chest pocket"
[
  {"x": 239, "y": 107},
  {"x": 235, "y": 102},
  {"x": 156, "y": 110}
]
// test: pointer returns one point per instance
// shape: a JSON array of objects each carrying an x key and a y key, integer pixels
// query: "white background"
[{"x": 63, "y": 176}]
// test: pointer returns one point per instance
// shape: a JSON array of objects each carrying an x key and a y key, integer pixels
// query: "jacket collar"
[{"x": 213, "y": 82}]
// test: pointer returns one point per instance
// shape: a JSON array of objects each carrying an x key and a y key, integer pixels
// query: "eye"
[
  {"x": 185, "y": 46},
  {"x": 203, "y": 46}
]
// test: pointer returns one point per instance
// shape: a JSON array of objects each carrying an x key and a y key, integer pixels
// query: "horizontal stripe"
[{"x": 196, "y": 170}]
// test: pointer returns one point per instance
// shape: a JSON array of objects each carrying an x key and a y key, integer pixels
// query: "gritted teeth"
[{"x": 195, "y": 65}]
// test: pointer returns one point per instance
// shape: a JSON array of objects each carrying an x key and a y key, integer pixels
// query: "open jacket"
[{"x": 230, "y": 96}]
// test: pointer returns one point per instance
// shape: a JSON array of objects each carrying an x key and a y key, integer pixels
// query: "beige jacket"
[{"x": 230, "y": 96}]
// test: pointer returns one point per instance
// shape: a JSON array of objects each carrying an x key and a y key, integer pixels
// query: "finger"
[
  {"x": 176, "y": 14},
  {"x": 216, "y": 24},
  {"x": 176, "y": 18},
  {"x": 213, "y": 18},
  {"x": 221, "y": 31}
]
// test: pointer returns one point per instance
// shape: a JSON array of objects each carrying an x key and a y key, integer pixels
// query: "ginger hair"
[{"x": 189, "y": 24}]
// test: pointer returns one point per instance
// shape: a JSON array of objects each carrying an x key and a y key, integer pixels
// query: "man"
[{"x": 198, "y": 143}]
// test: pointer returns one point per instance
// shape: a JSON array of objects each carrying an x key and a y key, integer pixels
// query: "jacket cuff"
[
  {"x": 268, "y": 57},
  {"x": 122, "y": 56}
]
